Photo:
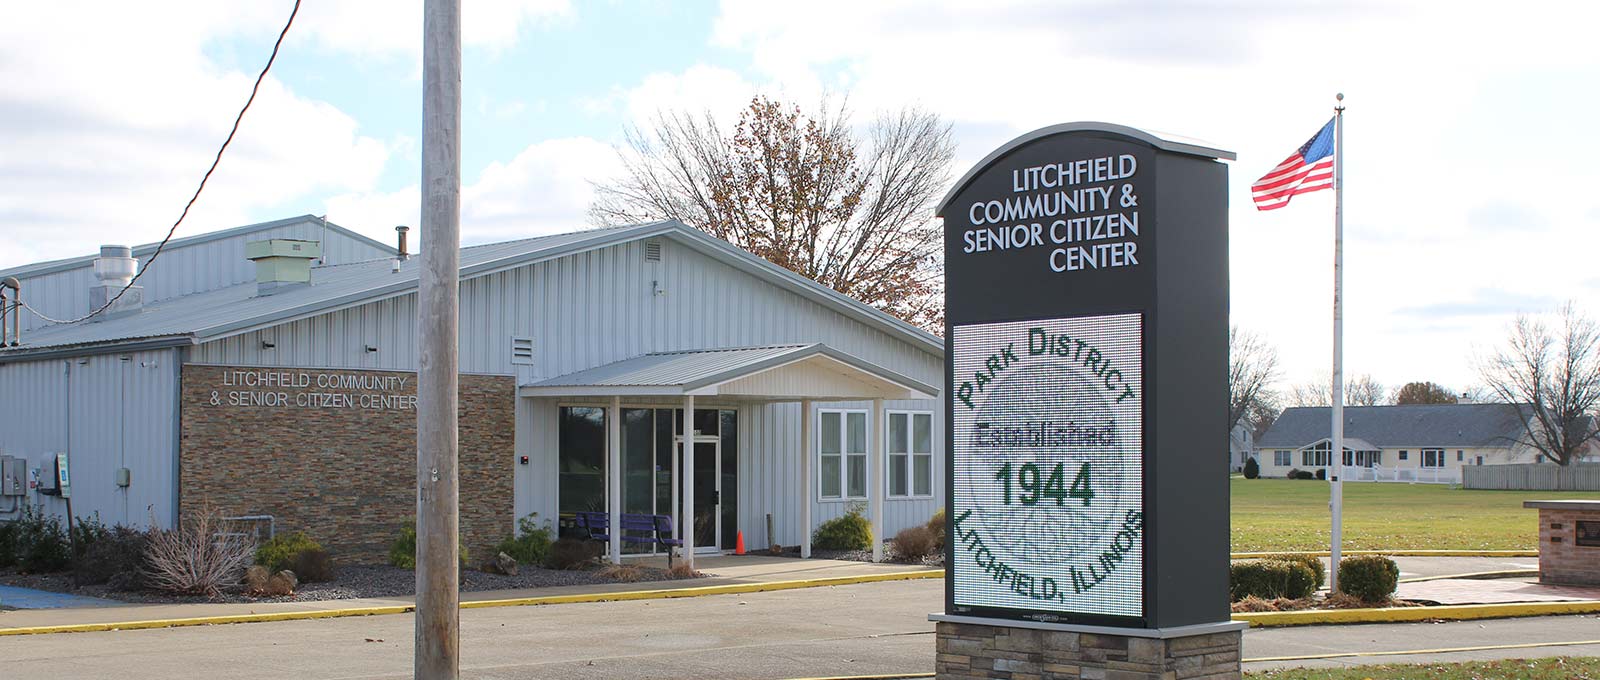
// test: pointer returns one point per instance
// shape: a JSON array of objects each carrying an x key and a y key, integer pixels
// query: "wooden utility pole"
[{"x": 438, "y": 625}]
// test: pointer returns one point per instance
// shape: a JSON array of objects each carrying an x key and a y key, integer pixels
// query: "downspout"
[{"x": 180, "y": 356}]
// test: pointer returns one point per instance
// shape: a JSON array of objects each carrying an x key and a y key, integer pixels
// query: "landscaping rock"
[{"x": 505, "y": 565}]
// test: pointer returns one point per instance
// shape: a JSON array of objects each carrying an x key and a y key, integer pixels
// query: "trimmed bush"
[
  {"x": 572, "y": 553},
  {"x": 118, "y": 554},
  {"x": 531, "y": 544},
  {"x": 850, "y": 531},
  {"x": 1372, "y": 578},
  {"x": 312, "y": 566},
  {"x": 915, "y": 543},
  {"x": 937, "y": 525},
  {"x": 1296, "y": 473},
  {"x": 1322, "y": 473},
  {"x": 1312, "y": 562},
  {"x": 1270, "y": 579},
  {"x": 1252, "y": 469},
  {"x": 39, "y": 544},
  {"x": 279, "y": 553},
  {"x": 403, "y": 551}
]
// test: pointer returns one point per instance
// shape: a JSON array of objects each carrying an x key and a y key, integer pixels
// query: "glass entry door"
[{"x": 707, "y": 494}]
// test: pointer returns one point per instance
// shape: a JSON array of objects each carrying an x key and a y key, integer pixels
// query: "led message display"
[{"x": 1047, "y": 461}]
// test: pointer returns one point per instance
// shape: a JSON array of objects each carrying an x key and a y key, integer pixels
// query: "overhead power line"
[{"x": 214, "y": 162}]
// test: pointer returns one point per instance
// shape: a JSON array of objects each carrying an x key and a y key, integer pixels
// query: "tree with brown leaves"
[{"x": 802, "y": 191}]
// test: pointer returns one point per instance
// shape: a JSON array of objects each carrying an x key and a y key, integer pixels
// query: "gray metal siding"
[
  {"x": 185, "y": 270},
  {"x": 598, "y": 307},
  {"x": 107, "y": 412}
]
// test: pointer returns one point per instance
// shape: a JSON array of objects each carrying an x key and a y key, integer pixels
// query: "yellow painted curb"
[
  {"x": 660, "y": 594},
  {"x": 886, "y": 676},
  {"x": 1390, "y": 553},
  {"x": 1458, "y": 612},
  {"x": 1408, "y": 652},
  {"x": 733, "y": 589}
]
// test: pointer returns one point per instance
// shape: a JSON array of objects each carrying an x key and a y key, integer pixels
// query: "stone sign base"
[{"x": 972, "y": 649}]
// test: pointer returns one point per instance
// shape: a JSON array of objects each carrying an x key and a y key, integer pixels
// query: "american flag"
[{"x": 1308, "y": 169}]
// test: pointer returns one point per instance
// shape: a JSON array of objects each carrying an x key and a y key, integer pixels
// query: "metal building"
[{"x": 281, "y": 386}]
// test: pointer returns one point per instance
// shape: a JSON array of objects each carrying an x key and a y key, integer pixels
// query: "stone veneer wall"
[
  {"x": 342, "y": 470},
  {"x": 972, "y": 651},
  {"x": 1561, "y": 559}
]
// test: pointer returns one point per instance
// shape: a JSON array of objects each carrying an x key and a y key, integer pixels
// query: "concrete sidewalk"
[{"x": 720, "y": 571}]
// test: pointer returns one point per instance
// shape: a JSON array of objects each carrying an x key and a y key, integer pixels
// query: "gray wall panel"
[{"x": 119, "y": 411}]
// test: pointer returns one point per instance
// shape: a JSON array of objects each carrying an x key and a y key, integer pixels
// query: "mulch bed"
[
  {"x": 351, "y": 582},
  {"x": 890, "y": 555},
  {"x": 1319, "y": 601}
]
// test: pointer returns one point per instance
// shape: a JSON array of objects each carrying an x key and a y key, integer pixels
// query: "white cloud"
[
  {"x": 108, "y": 133},
  {"x": 378, "y": 28},
  {"x": 1452, "y": 107},
  {"x": 545, "y": 189}
]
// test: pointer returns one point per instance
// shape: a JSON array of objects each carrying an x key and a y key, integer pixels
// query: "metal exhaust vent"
[{"x": 652, "y": 250}]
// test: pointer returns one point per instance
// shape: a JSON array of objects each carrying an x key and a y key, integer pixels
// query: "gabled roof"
[
  {"x": 42, "y": 268},
  {"x": 1412, "y": 425},
  {"x": 700, "y": 372},
  {"x": 229, "y": 311}
]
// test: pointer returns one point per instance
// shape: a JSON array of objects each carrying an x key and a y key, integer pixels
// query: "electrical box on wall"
[
  {"x": 124, "y": 477},
  {"x": 12, "y": 471}
]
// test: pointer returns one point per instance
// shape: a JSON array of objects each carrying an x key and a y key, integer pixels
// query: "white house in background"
[
  {"x": 1241, "y": 446},
  {"x": 1419, "y": 442}
]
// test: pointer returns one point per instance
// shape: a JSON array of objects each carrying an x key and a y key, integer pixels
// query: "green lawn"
[
  {"x": 1282, "y": 514},
  {"x": 1555, "y": 668}
]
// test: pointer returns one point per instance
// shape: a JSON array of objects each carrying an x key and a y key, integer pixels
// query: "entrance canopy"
[{"x": 769, "y": 373}]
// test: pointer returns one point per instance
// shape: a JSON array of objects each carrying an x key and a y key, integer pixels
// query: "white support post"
[
  {"x": 807, "y": 493},
  {"x": 614, "y": 479},
  {"x": 876, "y": 482},
  {"x": 686, "y": 519}
]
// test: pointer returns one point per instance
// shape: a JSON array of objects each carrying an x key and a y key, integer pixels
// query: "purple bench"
[{"x": 637, "y": 528}]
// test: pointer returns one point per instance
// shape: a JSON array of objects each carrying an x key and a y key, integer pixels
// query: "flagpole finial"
[{"x": 1340, "y": 105}]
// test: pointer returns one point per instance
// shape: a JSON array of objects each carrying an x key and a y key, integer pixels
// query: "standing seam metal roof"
[
  {"x": 225, "y": 311},
  {"x": 1412, "y": 425}
]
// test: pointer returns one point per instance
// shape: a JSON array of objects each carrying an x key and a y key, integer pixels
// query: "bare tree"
[
  {"x": 802, "y": 191},
  {"x": 1362, "y": 390},
  {"x": 1252, "y": 366},
  {"x": 1359, "y": 390},
  {"x": 1552, "y": 377},
  {"x": 1424, "y": 393}
]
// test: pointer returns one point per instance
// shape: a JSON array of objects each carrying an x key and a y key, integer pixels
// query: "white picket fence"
[{"x": 1403, "y": 474}]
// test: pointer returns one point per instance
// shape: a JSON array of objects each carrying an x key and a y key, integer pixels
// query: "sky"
[{"x": 1471, "y": 183}]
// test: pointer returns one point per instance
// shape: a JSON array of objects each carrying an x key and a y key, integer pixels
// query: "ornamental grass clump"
[{"x": 197, "y": 557}]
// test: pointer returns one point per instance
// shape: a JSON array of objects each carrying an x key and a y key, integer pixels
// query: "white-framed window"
[
  {"x": 1461, "y": 456},
  {"x": 910, "y": 449},
  {"x": 1282, "y": 458},
  {"x": 1433, "y": 458},
  {"x": 1362, "y": 458},
  {"x": 842, "y": 454},
  {"x": 1404, "y": 455},
  {"x": 1317, "y": 456}
]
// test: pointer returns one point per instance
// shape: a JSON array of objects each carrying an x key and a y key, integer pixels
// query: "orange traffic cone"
[{"x": 738, "y": 545}]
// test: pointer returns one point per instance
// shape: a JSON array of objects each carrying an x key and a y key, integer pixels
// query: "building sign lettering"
[{"x": 280, "y": 388}]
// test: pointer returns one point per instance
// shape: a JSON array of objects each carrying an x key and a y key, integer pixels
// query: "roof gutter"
[{"x": 114, "y": 347}]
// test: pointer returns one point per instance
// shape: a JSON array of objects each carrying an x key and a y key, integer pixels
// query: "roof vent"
[
  {"x": 652, "y": 250},
  {"x": 113, "y": 271},
  {"x": 282, "y": 263}
]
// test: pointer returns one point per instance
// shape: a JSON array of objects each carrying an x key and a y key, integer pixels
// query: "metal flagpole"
[{"x": 1336, "y": 445}]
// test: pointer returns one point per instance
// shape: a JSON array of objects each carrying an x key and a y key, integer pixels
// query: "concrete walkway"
[
  {"x": 723, "y": 570},
  {"x": 12, "y": 597},
  {"x": 1469, "y": 591}
]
